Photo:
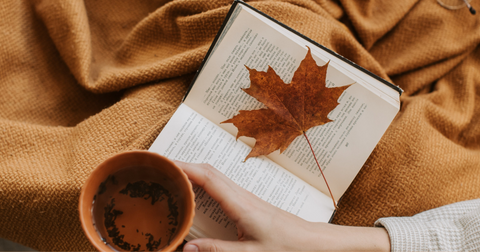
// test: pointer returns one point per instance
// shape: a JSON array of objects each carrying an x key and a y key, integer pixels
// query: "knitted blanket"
[{"x": 83, "y": 80}]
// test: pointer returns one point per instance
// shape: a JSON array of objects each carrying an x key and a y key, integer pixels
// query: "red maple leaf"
[{"x": 291, "y": 110}]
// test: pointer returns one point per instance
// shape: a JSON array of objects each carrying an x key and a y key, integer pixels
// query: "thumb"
[{"x": 214, "y": 245}]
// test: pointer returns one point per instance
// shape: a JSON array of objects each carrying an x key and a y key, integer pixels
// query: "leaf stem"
[{"x": 313, "y": 153}]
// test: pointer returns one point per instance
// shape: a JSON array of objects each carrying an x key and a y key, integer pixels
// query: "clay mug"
[{"x": 137, "y": 200}]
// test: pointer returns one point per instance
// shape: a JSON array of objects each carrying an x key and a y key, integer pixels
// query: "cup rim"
[{"x": 86, "y": 199}]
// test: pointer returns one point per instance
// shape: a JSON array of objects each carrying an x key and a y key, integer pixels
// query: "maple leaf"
[{"x": 292, "y": 108}]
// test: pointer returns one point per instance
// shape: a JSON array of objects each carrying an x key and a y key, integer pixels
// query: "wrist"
[{"x": 346, "y": 238}]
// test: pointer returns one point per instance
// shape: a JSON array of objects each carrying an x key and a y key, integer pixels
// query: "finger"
[
  {"x": 200, "y": 174},
  {"x": 231, "y": 197},
  {"x": 215, "y": 183},
  {"x": 214, "y": 245}
]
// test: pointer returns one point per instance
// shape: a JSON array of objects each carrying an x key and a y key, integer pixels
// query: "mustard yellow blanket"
[{"x": 82, "y": 80}]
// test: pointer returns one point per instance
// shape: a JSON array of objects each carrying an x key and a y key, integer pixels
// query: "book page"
[
  {"x": 387, "y": 93},
  {"x": 342, "y": 146},
  {"x": 190, "y": 137}
]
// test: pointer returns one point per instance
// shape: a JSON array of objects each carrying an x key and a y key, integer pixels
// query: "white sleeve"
[{"x": 454, "y": 227}]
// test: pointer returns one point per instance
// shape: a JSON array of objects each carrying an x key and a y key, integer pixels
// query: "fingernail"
[{"x": 190, "y": 248}]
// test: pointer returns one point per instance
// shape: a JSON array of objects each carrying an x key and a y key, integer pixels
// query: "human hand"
[{"x": 262, "y": 226}]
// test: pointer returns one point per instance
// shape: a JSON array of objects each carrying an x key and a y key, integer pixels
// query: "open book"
[{"x": 291, "y": 180}]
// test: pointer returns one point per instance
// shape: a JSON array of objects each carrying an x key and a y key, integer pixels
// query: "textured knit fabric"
[
  {"x": 82, "y": 80},
  {"x": 455, "y": 227}
]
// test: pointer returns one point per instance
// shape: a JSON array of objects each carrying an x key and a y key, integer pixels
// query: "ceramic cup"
[{"x": 136, "y": 200}]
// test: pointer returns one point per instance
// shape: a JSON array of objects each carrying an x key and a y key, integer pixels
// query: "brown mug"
[{"x": 137, "y": 200}]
